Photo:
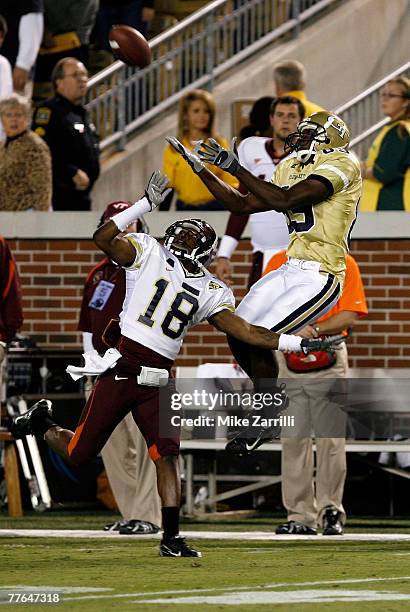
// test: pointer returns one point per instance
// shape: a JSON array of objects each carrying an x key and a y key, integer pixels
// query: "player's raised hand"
[
  {"x": 321, "y": 344},
  {"x": 212, "y": 152},
  {"x": 157, "y": 189},
  {"x": 190, "y": 157}
]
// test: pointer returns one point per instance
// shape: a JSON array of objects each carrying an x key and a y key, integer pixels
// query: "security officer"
[{"x": 63, "y": 123}]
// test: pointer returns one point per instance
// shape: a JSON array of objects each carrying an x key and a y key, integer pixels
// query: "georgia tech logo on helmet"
[{"x": 320, "y": 131}]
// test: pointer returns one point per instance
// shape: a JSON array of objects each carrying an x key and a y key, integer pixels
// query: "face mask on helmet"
[
  {"x": 191, "y": 240},
  {"x": 319, "y": 131}
]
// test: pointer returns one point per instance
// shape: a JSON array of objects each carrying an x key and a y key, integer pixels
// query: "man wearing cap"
[{"x": 130, "y": 471}]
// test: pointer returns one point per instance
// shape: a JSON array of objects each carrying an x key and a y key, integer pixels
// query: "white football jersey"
[
  {"x": 269, "y": 230},
  {"x": 163, "y": 300}
]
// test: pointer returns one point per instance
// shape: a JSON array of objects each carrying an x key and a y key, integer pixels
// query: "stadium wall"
[{"x": 53, "y": 266}]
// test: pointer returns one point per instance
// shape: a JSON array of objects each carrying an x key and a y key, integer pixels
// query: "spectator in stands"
[
  {"x": 309, "y": 385},
  {"x": 67, "y": 31},
  {"x": 289, "y": 77},
  {"x": 11, "y": 312},
  {"x": 261, "y": 156},
  {"x": 6, "y": 77},
  {"x": 259, "y": 119},
  {"x": 25, "y": 161},
  {"x": 64, "y": 124},
  {"x": 135, "y": 13},
  {"x": 387, "y": 168},
  {"x": 25, "y": 24},
  {"x": 195, "y": 122},
  {"x": 130, "y": 471}
]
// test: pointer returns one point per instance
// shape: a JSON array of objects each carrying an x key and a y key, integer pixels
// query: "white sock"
[{"x": 288, "y": 342}]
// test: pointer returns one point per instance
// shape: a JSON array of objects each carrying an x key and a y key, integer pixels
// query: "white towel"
[{"x": 94, "y": 364}]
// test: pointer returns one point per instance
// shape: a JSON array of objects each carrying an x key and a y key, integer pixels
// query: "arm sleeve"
[
  {"x": 391, "y": 160},
  {"x": 6, "y": 78},
  {"x": 38, "y": 178},
  {"x": 142, "y": 244},
  {"x": 223, "y": 299},
  {"x": 338, "y": 173},
  {"x": 30, "y": 35},
  {"x": 353, "y": 297},
  {"x": 49, "y": 126},
  {"x": 168, "y": 165},
  {"x": 234, "y": 230}
]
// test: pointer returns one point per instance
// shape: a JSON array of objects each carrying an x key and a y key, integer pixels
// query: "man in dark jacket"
[{"x": 64, "y": 124}]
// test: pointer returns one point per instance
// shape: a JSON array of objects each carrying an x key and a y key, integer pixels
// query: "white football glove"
[
  {"x": 211, "y": 152},
  {"x": 156, "y": 190},
  {"x": 190, "y": 157}
]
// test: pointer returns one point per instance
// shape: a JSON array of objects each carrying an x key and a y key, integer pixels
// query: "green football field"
[{"x": 121, "y": 573}]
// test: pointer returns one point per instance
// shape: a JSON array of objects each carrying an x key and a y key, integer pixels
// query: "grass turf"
[{"x": 227, "y": 568}]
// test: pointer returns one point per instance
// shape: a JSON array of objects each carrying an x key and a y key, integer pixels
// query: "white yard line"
[
  {"x": 205, "y": 535},
  {"x": 243, "y": 588}
]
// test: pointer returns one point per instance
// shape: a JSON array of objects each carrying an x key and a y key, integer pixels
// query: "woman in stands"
[
  {"x": 195, "y": 122},
  {"x": 387, "y": 168},
  {"x": 25, "y": 161}
]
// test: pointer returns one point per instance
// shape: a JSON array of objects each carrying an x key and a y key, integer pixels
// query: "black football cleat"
[
  {"x": 177, "y": 547},
  {"x": 295, "y": 528},
  {"x": 241, "y": 446},
  {"x": 22, "y": 425},
  {"x": 247, "y": 440},
  {"x": 332, "y": 523},
  {"x": 137, "y": 527}
]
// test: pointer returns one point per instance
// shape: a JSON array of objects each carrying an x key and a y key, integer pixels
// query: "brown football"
[{"x": 129, "y": 46}]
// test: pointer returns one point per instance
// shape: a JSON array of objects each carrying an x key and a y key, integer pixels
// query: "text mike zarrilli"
[{"x": 221, "y": 420}]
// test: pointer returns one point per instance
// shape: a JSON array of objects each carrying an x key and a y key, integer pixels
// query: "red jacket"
[{"x": 11, "y": 312}]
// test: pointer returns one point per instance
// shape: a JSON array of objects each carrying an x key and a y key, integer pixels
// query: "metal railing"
[
  {"x": 363, "y": 113},
  {"x": 190, "y": 54}
]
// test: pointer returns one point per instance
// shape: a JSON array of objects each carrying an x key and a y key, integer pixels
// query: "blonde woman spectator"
[
  {"x": 25, "y": 162},
  {"x": 195, "y": 122},
  {"x": 387, "y": 168}
]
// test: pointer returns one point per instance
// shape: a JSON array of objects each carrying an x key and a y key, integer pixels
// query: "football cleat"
[
  {"x": 177, "y": 547},
  {"x": 22, "y": 425},
  {"x": 137, "y": 527},
  {"x": 252, "y": 437},
  {"x": 332, "y": 523},
  {"x": 308, "y": 345},
  {"x": 295, "y": 528},
  {"x": 322, "y": 130}
]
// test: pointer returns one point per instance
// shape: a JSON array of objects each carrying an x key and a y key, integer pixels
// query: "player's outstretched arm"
[
  {"x": 267, "y": 195},
  {"x": 232, "y": 325},
  {"x": 230, "y": 197},
  {"x": 107, "y": 236},
  {"x": 117, "y": 248}
]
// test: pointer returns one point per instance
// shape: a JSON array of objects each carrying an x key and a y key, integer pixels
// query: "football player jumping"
[
  {"x": 318, "y": 188},
  {"x": 168, "y": 289}
]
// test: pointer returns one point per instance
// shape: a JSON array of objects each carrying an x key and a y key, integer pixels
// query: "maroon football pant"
[{"x": 114, "y": 395}]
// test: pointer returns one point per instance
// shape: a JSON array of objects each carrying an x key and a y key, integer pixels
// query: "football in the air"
[{"x": 129, "y": 46}]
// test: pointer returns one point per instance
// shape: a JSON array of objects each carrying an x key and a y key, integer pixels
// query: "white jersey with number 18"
[{"x": 163, "y": 300}]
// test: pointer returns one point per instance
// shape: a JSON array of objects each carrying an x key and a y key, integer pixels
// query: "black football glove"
[
  {"x": 211, "y": 152},
  {"x": 308, "y": 345}
]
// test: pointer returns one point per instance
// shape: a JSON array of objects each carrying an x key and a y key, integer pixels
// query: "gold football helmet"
[{"x": 320, "y": 131}]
